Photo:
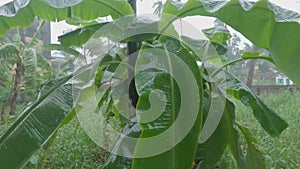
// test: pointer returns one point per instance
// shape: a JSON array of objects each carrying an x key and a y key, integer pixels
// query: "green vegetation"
[
  {"x": 282, "y": 152},
  {"x": 185, "y": 117},
  {"x": 72, "y": 148}
]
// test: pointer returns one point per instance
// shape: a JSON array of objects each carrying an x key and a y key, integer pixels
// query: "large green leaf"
[
  {"x": 22, "y": 12},
  {"x": 265, "y": 24},
  {"x": 36, "y": 124},
  {"x": 167, "y": 96},
  {"x": 268, "y": 119},
  {"x": 133, "y": 29},
  {"x": 40, "y": 121}
]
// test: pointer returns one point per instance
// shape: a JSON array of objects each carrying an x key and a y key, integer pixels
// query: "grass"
[
  {"x": 72, "y": 148},
  {"x": 282, "y": 152}
]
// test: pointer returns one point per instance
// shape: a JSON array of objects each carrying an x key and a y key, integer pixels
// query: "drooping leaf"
[
  {"x": 40, "y": 121},
  {"x": 4, "y": 39},
  {"x": 263, "y": 23},
  {"x": 254, "y": 157},
  {"x": 22, "y": 12},
  {"x": 169, "y": 93},
  {"x": 268, "y": 119},
  {"x": 9, "y": 50}
]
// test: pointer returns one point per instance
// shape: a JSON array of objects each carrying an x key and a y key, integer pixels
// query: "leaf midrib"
[{"x": 172, "y": 100}]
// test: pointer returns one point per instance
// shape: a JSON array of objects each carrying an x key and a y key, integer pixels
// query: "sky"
[
  {"x": 291, "y": 4},
  {"x": 145, "y": 7}
]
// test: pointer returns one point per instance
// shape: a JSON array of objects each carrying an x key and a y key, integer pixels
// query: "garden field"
[
  {"x": 282, "y": 152},
  {"x": 72, "y": 148}
]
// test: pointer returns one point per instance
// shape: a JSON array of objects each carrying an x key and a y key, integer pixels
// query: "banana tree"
[
  {"x": 25, "y": 68},
  {"x": 167, "y": 64},
  {"x": 21, "y": 61}
]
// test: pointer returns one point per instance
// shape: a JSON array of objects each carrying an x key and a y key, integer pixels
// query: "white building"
[{"x": 283, "y": 80}]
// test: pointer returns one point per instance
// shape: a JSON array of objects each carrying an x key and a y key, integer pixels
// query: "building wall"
[{"x": 267, "y": 89}]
